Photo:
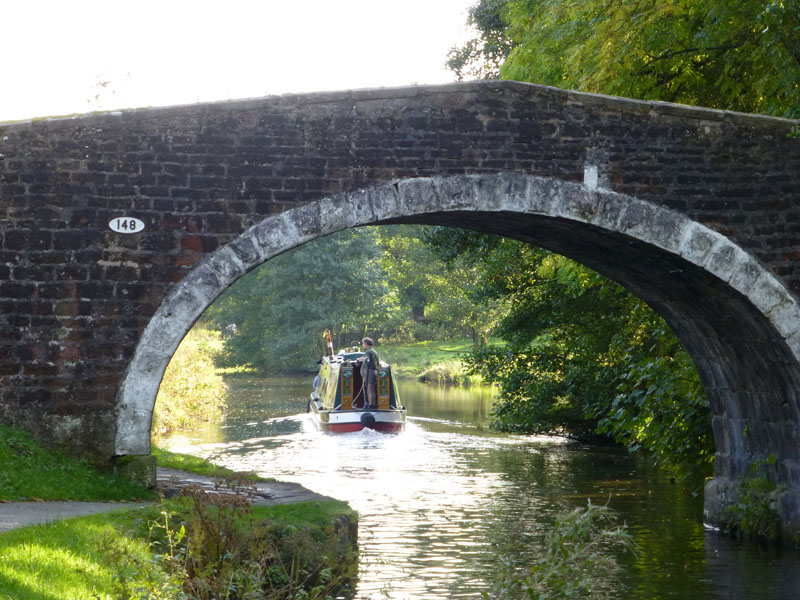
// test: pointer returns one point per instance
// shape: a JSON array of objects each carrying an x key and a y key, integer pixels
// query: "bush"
[{"x": 445, "y": 373}]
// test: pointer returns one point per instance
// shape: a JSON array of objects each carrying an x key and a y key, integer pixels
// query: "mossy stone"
[{"x": 138, "y": 467}]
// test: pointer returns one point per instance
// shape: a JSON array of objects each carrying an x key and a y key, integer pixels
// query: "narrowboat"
[{"x": 339, "y": 398}]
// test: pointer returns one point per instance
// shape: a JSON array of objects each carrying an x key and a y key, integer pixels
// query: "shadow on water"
[{"x": 440, "y": 502}]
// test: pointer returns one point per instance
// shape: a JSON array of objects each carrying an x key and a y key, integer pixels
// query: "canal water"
[{"x": 442, "y": 502}]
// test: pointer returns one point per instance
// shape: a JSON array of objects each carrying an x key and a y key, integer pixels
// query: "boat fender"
[
  {"x": 368, "y": 420},
  {"x": 308, "y": 406}
]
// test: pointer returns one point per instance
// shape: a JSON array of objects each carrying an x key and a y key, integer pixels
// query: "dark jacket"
[{"x": 371, "y": 361}]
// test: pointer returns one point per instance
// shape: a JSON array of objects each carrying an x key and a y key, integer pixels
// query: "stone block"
[
  {"x": 768, "y": 293},
  {"x": 719, "y": 495},
  {"x": 454, "y": 193},
  {"x": 697, "y": 244},
  {"x": 786, "y": 316},
  {"x": 418, "y": 195}
]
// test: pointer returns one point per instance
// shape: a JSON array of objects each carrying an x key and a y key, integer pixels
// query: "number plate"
[{"x": 126, "y": 225}]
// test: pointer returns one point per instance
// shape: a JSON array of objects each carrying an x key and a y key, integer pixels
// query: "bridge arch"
[{"x": 736, "y": 319}]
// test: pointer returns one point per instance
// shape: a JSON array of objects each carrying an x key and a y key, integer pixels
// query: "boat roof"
[{"x": 344, "y": 356}]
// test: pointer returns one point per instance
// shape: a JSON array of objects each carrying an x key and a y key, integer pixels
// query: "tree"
[
  {"x": 730, "y": 54},
  {"x": 382, "y": 281},
  {"x": 457, "y": 302},
  {"x": 483, "y": 56},
  {"x": 582, "y": 355},
  {"x": 282, "y": 308},
  {"x": 581, "y": 352},
  {"x": 407, "y": 263},
  {"x": 440, "y": 295}
]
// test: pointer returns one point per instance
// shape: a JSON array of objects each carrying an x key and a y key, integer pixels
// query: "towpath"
[{"x": 170, "y": 483}]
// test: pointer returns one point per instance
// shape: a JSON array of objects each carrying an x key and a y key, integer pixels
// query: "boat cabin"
[{"x": 341, "y": 387}]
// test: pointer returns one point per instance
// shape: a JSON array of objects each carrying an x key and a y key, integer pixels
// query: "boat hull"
[{"x": 343, "y": 421}]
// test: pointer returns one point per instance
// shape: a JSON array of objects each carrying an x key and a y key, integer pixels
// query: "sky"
[{"x": 73, "y": 56}]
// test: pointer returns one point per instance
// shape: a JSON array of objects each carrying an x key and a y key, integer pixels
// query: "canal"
[{"x": 443, "y": 501}]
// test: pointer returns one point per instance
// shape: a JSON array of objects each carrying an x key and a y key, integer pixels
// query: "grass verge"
[
  {"x": 195, "y": 464},
  {"x": 68, "y": 559},
  {"x": 187, "y": 462},
  {"x": 433, "y": 361},
  {"x": 29, "y": 472},
  {"x": 131, "y": 553}
]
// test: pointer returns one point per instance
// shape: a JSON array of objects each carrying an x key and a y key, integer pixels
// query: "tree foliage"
[
  {"x": 482, "y": 57},
  {"x": 730, "y": 54},
  {"x": 582, "y": 355},
  {"x": 282, "y": 308},
  {"x": 385, "y": 282},
  {"x": 660, "y": 405},
  {"x": 191, "y": 390}
]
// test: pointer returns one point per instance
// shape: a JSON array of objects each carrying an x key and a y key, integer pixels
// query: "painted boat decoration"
[{"x": 338, "y": 400}]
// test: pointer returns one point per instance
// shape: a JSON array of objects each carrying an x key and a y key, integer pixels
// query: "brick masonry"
[{"x": 695, "y": 210}]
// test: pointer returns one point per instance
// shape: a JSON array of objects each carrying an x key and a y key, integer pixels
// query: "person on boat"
[{"x": 369, "y": 372}]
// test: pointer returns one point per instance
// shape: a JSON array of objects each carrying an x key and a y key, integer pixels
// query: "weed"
[
  {"x": 215, "y": 546},
  {"x": 577, "y": 563},
  {"x": 755, "y": 510},
  {"x": 138, "y": 576}
]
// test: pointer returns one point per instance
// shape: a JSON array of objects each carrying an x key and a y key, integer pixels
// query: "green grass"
[
  {"x": 70, "y": 559},
  {"x": 317, "y": 513},
  {"x": 434, "y": 360},
  {"x": 192, "y": 464},
  {"x": 84, "y": 557},
  {"x": 29, "y": 472},
  {"x": 413, "y": 359},
  {"x": 187, "y": 462}
]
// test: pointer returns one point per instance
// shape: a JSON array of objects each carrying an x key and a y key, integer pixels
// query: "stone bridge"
[{"x": 697, "y": 211}]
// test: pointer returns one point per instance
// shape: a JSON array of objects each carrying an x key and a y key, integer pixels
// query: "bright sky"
[{"x": 56, "y": 53}]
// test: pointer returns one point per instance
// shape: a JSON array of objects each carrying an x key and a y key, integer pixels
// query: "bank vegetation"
[
  {"x": 200, "y": 546},
  {"x": 193, "y": 388}
]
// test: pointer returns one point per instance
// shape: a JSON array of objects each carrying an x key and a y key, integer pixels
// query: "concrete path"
[
  {"x": 170, "y": 483},
  {"x": 21, "y": 514}
]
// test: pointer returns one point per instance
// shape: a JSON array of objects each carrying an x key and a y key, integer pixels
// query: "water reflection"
[{"x": 441, "y": 501}]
